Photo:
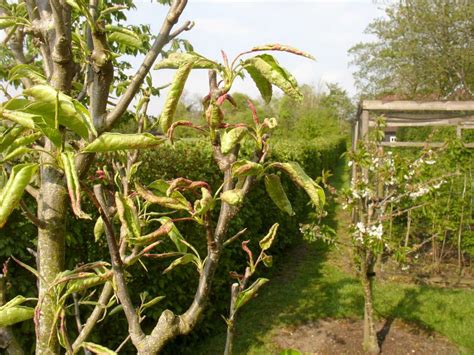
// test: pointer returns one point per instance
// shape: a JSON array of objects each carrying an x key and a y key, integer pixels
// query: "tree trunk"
[
  {"x": 370, "y": 343},
  {"x": 51, "y": 250}
]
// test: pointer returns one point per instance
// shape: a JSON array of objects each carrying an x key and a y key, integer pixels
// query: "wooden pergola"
[
  {"x": 411, "y": 114},
  {"x": 414, "y": 114}
]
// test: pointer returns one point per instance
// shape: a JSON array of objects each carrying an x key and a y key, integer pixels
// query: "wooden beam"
[
  {"x": 378, "y": 105},
  {"x": 392, "y": 121},
  {"x": 419, "y": 144}
]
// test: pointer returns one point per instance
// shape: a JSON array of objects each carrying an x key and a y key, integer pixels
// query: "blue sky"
[{"x": 326, "y": 29}]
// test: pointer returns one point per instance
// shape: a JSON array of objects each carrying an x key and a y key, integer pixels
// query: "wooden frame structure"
[
  {"x": 414, "y": 114},
  {"x": 411, "y": 114}
]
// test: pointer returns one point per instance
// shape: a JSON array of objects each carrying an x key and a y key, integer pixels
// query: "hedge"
[{"x": 193, "y": 159}]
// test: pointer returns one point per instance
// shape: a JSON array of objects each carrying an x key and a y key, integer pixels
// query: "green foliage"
[{"x": 423, "y": 48}]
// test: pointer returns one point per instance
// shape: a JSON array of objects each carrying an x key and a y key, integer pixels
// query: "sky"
[{"x": 326, "y": 29}]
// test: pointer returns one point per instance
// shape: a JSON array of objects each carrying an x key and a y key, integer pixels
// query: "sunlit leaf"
[
  {"x": 231, "y": 138},
  {"x": 282, "y": 48},
  {"x": 97, "y": 349},
  {"x": 124, "y": 36},
  {"x": 176, "y": 60},
  {"x": 263, "y": 85},
  {"x": 299, "y": 177},
  {"x": 27, "y": 71},
  {"x": 174, "y": 235},
  {"x": 267, "y": 241},
  {"x": 12, "y": 192},
  {"x": 174, "y": 94},
  {"x": 233, "y": 197},
  {"x": 185, "y": 259},
  {"x": 247, "y": 294},
  {"x": 269, "y": 68},
  {"x": 109, "y": 142},
  {"x": 128, "y": 216},
  {"x": 243, "y": 168}
]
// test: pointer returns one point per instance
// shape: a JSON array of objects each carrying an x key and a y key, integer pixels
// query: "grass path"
[{"x": 312, "y": 285}]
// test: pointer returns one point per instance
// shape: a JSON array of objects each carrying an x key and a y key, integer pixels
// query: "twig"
[
  {"x": 187, "y": 26},
  {"x": 237, "y": 235},
  {"x": 35, "y": 220}
]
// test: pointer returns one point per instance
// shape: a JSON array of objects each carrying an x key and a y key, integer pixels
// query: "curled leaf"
[
  {"x": 269, "y": 68},
  {"x": 277, "y": 193},
  {"x": 247, "y": 294},
  {"x": 283, "y": 48},
  {"x": 244, "y": 168},
  {"x": 267, "y": 241},
  {"x": 233, "y": 197},
  {"x": 128, "y": 216},
  {"x": 231, "y": 138},
  {"x": 109, "y": 142},
  {"x": 176, "y": 60},
  {"x": 300, "y": 178},
  {"x": 73, "y": 184},
  {"x": 12, "y": 192},
  {"x": 169, "y": 108}
]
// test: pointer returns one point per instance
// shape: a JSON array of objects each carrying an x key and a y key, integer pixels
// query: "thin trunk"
[
  {"x": 370, "y": 343},
  {"x": 407, "y": 235},
  {"x": 461, "y": 222},
  {"x": 51, "y": 250},
  {"x": 231, "y": 321}
]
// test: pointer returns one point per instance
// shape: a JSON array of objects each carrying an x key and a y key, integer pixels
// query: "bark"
[
  {"x": 370, "y": 343},
  {"x": 52, "y": 204}
]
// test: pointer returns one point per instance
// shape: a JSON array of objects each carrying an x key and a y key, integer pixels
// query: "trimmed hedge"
[{"x": 190, "y": 158}]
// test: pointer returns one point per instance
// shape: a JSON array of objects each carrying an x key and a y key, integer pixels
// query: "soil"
[{"x": 344, "y": 336}]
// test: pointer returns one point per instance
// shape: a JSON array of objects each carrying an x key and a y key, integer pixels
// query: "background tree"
[{"x": 423, "y": 48}]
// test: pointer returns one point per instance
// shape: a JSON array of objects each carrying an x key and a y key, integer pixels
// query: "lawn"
[{"x": 311, "y": 285}]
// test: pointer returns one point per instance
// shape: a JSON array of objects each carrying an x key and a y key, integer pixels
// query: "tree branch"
[
  {"x": 30, "y": 215},
  {"x": 96, "y": 314},
  {"x": 161, "y": 40},
  {"x": 133, "y": 319}
]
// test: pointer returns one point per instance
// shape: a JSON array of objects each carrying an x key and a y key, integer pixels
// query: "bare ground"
[{"x": 344, "y": 337}]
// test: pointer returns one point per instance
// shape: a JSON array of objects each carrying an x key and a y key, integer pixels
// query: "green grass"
[{"x": 311, "y": 286}]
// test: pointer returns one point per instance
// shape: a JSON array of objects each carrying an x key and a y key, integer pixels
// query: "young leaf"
[
  {"x": 15, "y": 314},
  {"x": 27, "y": 71},
  {"x": 97, "y": 349},
  {"x": 20, "y": 151},
  {"x": 124, "y": 36},
  {"x": 247, "y": 294},
  {"x": 185, "y": 259},
  {"x": 169, "y": 108},
  {"x": 269, "y": 68},
  {"x": 263, "y": 85},
  {"x": 109, "y": 142},
  {"x": 12, "y": 192},
  {"x": 99, "y": 228},
  {"x": 152, "y": 302},
  {"x": 243, "y": 168},
  {"x": 267, "y": 241},
  {"x": 299, "y": 177},
  {"x": 159, "y": 196},
  {"x": 22, "y": 118},
  {"x": 128, "y": 216},
  {"x": 175, "y": 235},
  {"x": 47, "y": 99},
  {"x": 231, "y": 138},
  {"x": 9, "y": 136},
  {"x": 89, "y": 280},
  {"x": 277, "y": 193},
  {"x": 176, "y": 60},
  {"x": 73, "y": 184},
  {"x": 282, "y": 48},
  {"x": 233, "y": 197}
]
